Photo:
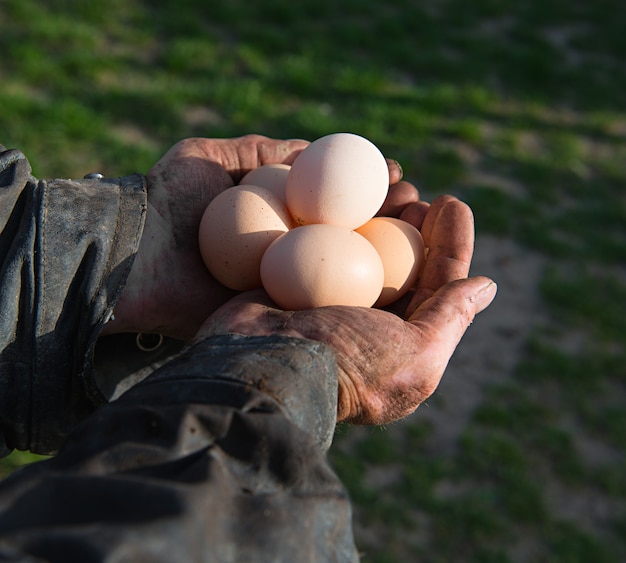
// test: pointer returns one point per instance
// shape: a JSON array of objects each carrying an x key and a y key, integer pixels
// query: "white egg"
[{"x": 340, "y": 179}]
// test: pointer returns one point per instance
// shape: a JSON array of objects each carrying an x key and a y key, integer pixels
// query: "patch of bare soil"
[
  {"x": 493, "y": 344},
  {"x": 488, "y": 353}
]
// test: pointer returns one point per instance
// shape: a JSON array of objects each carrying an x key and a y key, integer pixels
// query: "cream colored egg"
[
  {"x": 236, "y": 228},
  {"x": 401, "y": 249},
  {"x": 320, "y": 265},
  {"x": 340, "y": 179},
  {"x": 270, "y": 176}
]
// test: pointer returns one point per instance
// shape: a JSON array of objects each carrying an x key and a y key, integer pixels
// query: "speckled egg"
[
  {"x": 235, "y": 230},
  {"x": 319, "y": 265}
]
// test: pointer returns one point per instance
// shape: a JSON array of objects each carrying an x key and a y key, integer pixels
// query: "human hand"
[
  {"x": 169, "y": 290},
  {"x": 389, "y": 361}
]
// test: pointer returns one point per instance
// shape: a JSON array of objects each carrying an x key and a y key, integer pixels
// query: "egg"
[
  {"x": 401, "y": 249},
  {"x": 319, "y": 265},
  {"x": 270, "y": 176},
  {"x": 236, "y": 228},
  {"x": 340, "y": 179}
]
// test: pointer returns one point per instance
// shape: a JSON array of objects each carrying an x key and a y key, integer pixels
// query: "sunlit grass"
[{"x": 517, "y": 108}]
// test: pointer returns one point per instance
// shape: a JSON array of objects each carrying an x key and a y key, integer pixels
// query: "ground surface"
[{"x": 516, "y": 107}]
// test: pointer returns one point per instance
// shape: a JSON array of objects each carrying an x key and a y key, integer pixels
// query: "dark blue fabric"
[
  {"x": 195, "y": 463},
  {"x": 65, "y": 254}
]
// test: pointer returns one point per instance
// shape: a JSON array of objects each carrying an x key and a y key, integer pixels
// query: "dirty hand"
[
  {"x": 169, "y": 290},
  {"x": 389, "y": 361}
]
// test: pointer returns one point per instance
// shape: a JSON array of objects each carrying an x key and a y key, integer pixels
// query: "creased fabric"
[
  {"x": 219, "y": 456},
  {"x": 66, "y": 248}
]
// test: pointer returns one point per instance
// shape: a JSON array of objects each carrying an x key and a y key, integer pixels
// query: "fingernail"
[{"x": 485, "y": 296}]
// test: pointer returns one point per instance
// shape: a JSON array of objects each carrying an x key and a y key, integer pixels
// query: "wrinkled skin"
[
  {"x": 169, "y": 290},
  {"x": 387, "y": 365},
  {"x": 389, "y": 361}
]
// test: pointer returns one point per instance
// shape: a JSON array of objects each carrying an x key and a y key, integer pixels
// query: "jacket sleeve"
[
  {"x": 219, "y": 455},
  {"x": 66, "y": 248}
]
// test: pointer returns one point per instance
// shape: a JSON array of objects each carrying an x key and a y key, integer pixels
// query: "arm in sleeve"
[
  {"x": 219, "y": 455},
  {"x": 66, "y": 248}
]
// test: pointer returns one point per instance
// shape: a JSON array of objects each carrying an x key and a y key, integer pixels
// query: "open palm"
[
  {"x": 388, "y": 361},
  {"x": 169, "y": 290}
]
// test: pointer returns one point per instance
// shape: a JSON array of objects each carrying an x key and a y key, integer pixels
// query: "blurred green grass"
[{"x": 517, "y": 108}]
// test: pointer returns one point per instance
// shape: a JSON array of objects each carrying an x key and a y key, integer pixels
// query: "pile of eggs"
[{"x": 307, "y": 233}]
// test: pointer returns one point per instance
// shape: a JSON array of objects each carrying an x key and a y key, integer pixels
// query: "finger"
[
  {"x": 398, "y": 197},
  {"x": 445, "y": 316},
  {"x": 415, "y": 213},
  {"x": 251, "y": 151},
  {"x": 448, "y": 232},
  {"x": 435, "y": 210},
  {"x": 395, "y": 171},
  {"x": 276, "y": 151}
]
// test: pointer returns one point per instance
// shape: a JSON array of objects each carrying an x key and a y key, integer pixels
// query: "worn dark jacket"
[
  {"x": 218, "y": 455},
  {"x": 65, "y": 253}
]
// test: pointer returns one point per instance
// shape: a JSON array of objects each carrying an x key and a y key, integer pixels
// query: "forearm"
[
  {"x": 218, "y": 455},
  {"x": 66, "y": 248},
  {"x": 301, "y": 375}
]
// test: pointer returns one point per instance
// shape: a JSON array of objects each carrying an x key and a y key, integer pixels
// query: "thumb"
[
  {"x": 249, "y": 312},
  {"x": 251, "y": 151},
  {"x": 446, "y": 315}
]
